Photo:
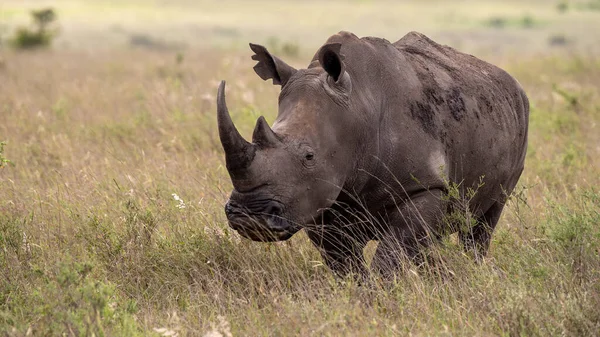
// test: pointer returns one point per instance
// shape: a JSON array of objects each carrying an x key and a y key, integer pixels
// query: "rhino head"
[{"x": 289, "y": 174}]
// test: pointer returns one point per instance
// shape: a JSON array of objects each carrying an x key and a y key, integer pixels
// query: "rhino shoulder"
[
  {"x": 417, "y": 43},
  {"x": 412, "y": 38},
  {"x": 342, "y": 37}
]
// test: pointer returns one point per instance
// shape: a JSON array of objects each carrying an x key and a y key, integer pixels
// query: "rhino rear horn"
[
  {"x": 269, "y": 66},
  {"x": 263, "y": 135},
  {"x": 238, "y": 152}
]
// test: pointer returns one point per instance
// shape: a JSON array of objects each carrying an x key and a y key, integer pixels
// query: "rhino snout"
[{"x": 260, "y": 220}]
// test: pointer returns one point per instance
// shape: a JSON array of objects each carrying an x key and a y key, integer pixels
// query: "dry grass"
[{"x": 92, "y": 240}]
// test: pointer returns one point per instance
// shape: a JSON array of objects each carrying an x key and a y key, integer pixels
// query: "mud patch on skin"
[
  {"x": 456, "y": 104},
  {"x": 425, "y": 114},
  {"x": 486, "y": 103},
  {"x": 432, "y": 95}
]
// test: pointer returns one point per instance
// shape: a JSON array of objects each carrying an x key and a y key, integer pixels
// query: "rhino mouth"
[{"x": 266, "y": 225}]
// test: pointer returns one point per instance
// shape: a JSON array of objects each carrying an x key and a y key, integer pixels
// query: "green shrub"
[
  {"x": 562, "y": 6},
  {"x": 3, "y": 160},
  {"x": 592, "y": 5},
  {"x": 527, "y": 21},
  {"x": 285, "y": 48},
  {"x": 41, "y": 35},
  {"x": 496, "y": 22},
  {"x": 500, "y": 22}
]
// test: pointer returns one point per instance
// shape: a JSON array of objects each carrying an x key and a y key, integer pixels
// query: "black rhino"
[{"x": 366, "y": 142}]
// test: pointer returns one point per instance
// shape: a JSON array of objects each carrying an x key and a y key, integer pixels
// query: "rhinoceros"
[{"x": 367, "y": 143}]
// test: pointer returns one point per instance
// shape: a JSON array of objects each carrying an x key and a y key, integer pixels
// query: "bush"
[
  {"x": 592, "y": 5},
  {"x": 562, "y": 6},
  {"x": 39, "y": 36},
  {"x": 286, "y": 48},
  {"x": 3, "y": 160},
  {"x": 500, "y": 22}
]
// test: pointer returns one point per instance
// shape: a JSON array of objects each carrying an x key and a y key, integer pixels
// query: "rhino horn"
[
  {"x": 238, "y": 152},
  {"x": 263, "y": 135}
]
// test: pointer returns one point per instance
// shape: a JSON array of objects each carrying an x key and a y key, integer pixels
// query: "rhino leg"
[
  {"x": 341, "y": 250},
  {"x": 478, "y": 238},
  {"x": 410, "y": 228}
]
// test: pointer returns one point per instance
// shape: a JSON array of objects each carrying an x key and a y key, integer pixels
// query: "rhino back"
[
  {"x": 480, "y": 111},
  {"x": 434, "y": 114}
]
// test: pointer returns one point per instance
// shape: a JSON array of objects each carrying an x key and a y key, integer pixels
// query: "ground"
[{"x": 111, "y": 212}]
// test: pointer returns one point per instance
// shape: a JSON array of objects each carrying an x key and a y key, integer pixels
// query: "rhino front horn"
[{"x": 238, "y": 152}]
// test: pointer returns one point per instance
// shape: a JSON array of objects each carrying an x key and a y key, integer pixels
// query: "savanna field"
[{"x": 113, "y": 178}]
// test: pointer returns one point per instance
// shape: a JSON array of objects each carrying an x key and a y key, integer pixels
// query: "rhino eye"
[{"x": 308, "y": 156}]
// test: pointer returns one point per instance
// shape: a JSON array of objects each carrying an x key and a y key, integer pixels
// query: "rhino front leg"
[
  {"x": 342, "y": 250},
  {"x": 409, "y": 228}
]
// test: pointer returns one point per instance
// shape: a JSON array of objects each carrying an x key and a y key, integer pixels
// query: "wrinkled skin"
[{"x": 367, "y": 139}]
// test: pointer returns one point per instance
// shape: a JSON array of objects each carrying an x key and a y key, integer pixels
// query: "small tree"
[{"x": 41, "y": 35}]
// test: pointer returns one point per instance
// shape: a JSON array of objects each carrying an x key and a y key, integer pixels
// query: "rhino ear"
[
  {"x": 332, "y": 61},
  {"x": 269, "y": 66}
]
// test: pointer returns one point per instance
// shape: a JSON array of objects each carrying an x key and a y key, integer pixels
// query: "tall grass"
[{"x": 92, "y": 239}]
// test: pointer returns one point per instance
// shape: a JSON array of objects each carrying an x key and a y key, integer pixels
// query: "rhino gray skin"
[{"x": 366, "y": 143}]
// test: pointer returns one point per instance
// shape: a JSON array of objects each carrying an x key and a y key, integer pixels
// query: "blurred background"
[{"x": 294, "y": 26}]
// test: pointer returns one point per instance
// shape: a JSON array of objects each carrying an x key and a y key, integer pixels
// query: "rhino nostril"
[{"x": 274, "y": 209}]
